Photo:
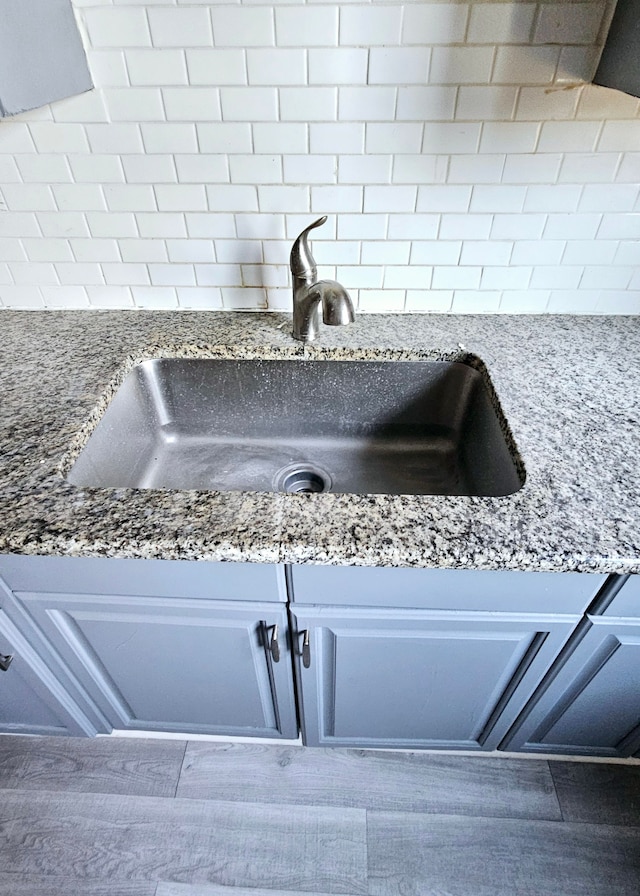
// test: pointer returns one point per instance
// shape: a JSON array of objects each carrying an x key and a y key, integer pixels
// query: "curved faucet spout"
[{"x": 309, "y": 293}]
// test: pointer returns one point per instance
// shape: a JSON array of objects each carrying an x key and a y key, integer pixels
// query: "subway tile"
[
  {"x": 28, "y": 197},
  {"x": 52, "y": 137},
  {"x": 568, "y": 136},
  {"x": 366, "y": 103},
  {"x": 33, "y": 272},
  {"x": 525, "y": 65},
  {"x": 537, "y": 252},
  {"x": 431, "y": 103},
  {"x": 336, "y": 137},
  {"x": 500, "y": 23},
  {"x": 255, "y": 169},
  {"x": 117, "y": 27},
  {"x": 419, "y": 169},
  {"x": 629, "y": 170},
  {"x": 463, "y": 227},
  {"x": 628, "y": 252},
  {"x": 232, "y": 197},
  {"x": 191, "y": 103},
  {"x": 56, "y": 224},
  {"x": 113, "y": 139},
  {"x": 130, "y": 198},
  {"x": 608, "y": 198},
  {"x": 42, "y": 168},
  {"x": 387, "y": 252},
  {"x": 216, "y": 66},
  {"x": 307, "y": 26},
  {"x": 394, "y": 138},
  {"x": 195, "y": 297},
  {"x": 461, "y": 65},
  {"x": 342, "y": 65},
  {"x": 239, "y": 298},
  {"x": 174, "y": 274},
  {"x": 606, "y": 277},
  {"x": 20, "y": 296},
  {"x": 141, "y": 251},
  {"x": 568, "y": 23},
  {"x": 335, "y": 252},
  {"x": 598, "y": 103},
  {"x": 370, "y": 26},
  {"x": 308, "y": 103},
  {"x": 436, "y": 252},
  {"x": 614, "y": 301},
  {"x": 531, "y": 168},
  {"x": 16, "y": 138},
  {"x": 577, "y": 64},
  {"x": 392, "y": 198},
  {"x": 262, "y": 226},
  {"x": 487, "y": 252},
  {"x": 499, "y": 198},
  {"x": 126, "y": 274},
  {"x": 360, "y": 276},
  {"x": 337, "y": 200},
  {"x": 399, "y": 65},
  {"x": 524, "y": 301},
  {"x": 95, "y": 249},
  {"x": 160, "y": 224},
  {"x": 619, "y": 226},
  {"x": 475, "y": 169},
  {"x": 454, "y": 137},
  {"x": 86, "y": 107},
  {"x": 509, "y": 136},
  {"x": 94, "y": 168},
  {"x": 242, "y": 26},
  {"x": 619, "y": 136},
  {"x": 486, "y": 103},
  {"x": 79, "y": 273},
  {"x": 186, "y": 27},
  {"x": 155, "y": 67},
  {"x": 599, "y": 167},
  {"x": 367, "y": 169},
  {"x": 79, "y": 197},
  {"x": 470, "y": 301},
  {"x": 308, "y": 169},
  {"x": 265, "y": 275},
  {"x": 506, "y": 278},
  {"x": 148, "y": 169},
  {"x": 280, "y": 137},
  {"x": 546, "y": 104},
  {"x": 389, "y": 300},
  {"x": 224, "y": 137},
  {"x": 109, "y": 296},
  {"x": 154, "y": 296},
  {"x": 573, "y": 301},
  {"x": 277, "y": 66},
  {"x": 64, "y": 296},
  {"x": 555, "y": 198},
  {"x": 591, "y": 252},
  {"x": 13, "y": 249},
  {"x": 209, "y": 226},
  {"x": 281, "y": 198},
  {"x": 443, "y": 198},
  {"x": 218, "y": 274},
  {"x": 135, "y": 104},
  {"x": 457, "y": 277},
  {"x": 168, "y": 137},
  {"x": 434, "y": 23},
  {"x": 108, "y": 67},
  {"x": 413, "y": 227},
  {"x": 429, "y": 300},
  {"x": 249, "y": 103},
  {"x": 188, "y": 251},
  {"x": 572, "y": 226},
  {"x": 556, "y": 276},
  {"x": 362, "y": 227},
  {"x": 180, "y": 197}
]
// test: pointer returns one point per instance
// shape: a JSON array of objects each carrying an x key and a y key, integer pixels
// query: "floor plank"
[
  {"x": 412, "y": 782},
  {"x": 598, "y": 792},
  {"x": 146, "y": 767},
  {"x": 167, "y": 889},
  {"x": 37, "y": 885},
  {"x": 431, "y": 855},
  {"x": 112, "y": 838}
]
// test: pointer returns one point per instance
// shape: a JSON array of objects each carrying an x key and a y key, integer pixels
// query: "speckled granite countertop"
[{"x": 569, "y": 387}]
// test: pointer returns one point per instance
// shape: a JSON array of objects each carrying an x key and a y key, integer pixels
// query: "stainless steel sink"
[{"x": 362, "y": 427}]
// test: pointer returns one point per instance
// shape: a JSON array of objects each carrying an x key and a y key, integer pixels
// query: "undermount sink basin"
[{"x": 361, "y": 427}]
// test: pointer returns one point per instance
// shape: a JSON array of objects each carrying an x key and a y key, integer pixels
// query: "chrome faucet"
[{"x": 308, "y": 293}]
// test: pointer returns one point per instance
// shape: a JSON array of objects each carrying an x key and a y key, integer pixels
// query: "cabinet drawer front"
[
  {"x": 445, "y": 589},
  {"x": 626, "y": 602},
  {"x": 158, "y": 578}
]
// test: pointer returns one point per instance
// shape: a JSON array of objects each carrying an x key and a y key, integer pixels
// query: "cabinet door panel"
[
  {"x": 384, "y": 678},
  {"x": 31, "y": 701},
  {"x": 592, "y": 705},
  {"x": 175, "y": 665}
]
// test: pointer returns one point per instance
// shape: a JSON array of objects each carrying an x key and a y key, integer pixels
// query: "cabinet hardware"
[
  {"x": 274, "y": 646},
  {"x": 306, "y": 649},
  {"x": 5, "y": 661}
]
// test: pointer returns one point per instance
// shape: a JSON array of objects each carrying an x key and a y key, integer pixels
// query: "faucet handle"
[{"x": 301, "y": 261}]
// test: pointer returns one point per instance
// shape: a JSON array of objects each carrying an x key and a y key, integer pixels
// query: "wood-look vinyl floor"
[{"x": 125, "y": 817}]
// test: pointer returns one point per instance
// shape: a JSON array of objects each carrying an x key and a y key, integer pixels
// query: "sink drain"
[{"x": 303, "y": 480}]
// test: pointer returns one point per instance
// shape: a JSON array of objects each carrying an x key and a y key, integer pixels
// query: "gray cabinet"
[
  {"x": 31, "y": 699},
  {"x": 175, "y": 664},
  {"x": 417, "y": 673},
  {"x": 589, "y": 703}
]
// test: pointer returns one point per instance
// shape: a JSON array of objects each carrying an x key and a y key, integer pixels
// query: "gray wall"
[{"x": 41, "y": 54}]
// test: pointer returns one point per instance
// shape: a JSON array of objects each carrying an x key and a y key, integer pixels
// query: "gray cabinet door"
[
  {"x": 590, "y": 703},
  {"x": 31, "y": 701},
  {"x": 392, "y": 678},
  {"x": 172, "y": 664}
]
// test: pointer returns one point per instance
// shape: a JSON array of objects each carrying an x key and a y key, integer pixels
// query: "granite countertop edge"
[{"x": 567, "y": 385}]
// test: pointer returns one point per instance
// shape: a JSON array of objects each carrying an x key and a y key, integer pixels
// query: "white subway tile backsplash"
[{"x": 449, "y": 143}]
